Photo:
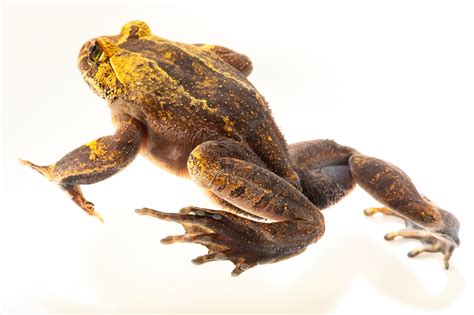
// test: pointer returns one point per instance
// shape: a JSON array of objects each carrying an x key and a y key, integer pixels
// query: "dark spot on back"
[{"x": 237, "y": 192}]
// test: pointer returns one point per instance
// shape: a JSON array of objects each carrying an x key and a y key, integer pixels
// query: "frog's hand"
[
  {"x": 94, "y": 162},
  {"x": 236, "y": 60},
  {"x": 233, "y": 173}
]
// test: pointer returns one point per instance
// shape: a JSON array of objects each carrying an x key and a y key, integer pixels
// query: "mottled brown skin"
[{"x": 191, "y": 110}]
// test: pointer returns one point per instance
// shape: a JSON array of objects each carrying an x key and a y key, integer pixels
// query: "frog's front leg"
[
  {"x": 94, "y": 162},
  {"x": 235, "y": 174}
]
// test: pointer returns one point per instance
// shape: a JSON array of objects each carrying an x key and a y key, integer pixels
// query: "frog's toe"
[
  {"x": 433, "y": 242},
  {"x": 219, "y": 248},
  {"x": 241, "y": 266},
  {"x": 443, "y": 247},
  {"x": 241, "y": 263},
  {"x": 211, "y": 257},
  {"x": 201, "y": 212},
  {"x": 218, "y": 245},
  {"x": 443, "y": 240},
  {"x": 160, "y": 215},
  {"x": 227, "y": 236},
  {"x": 186, "y": 215},
  {"x": 202, "y": 238},
  {"x": 408, "y": 233},
  {"x": 384, "y": 210}
]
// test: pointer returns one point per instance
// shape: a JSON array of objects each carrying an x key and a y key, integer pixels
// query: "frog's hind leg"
[
  {"x": 234, "y": 173},
  {"x": 329, "y": 171},
  {"x": 437, "y": 229}
]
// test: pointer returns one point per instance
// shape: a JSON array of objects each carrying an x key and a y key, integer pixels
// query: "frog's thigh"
[
  {"x": 233, "y": 173},
  {"x": 323, "y": 167}
]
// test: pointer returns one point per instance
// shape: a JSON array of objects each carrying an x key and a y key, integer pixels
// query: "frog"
[{"x": 191, "y": 110}]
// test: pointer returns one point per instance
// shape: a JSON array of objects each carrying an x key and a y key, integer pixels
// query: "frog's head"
[{"x": 109, "y": 69}]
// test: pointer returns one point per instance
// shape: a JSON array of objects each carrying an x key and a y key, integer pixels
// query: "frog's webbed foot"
[
  {"x": 433, "y": 242},
  {"x": 244, "y": 242},
  {"x": 236, "y": 174},
  {"x": 435, "y": 228}
]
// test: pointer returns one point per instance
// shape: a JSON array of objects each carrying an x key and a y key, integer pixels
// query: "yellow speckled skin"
[{"x": 191, "y": 110}]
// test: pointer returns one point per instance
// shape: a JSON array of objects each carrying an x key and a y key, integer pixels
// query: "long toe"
[{"x": 408, "y": 233}]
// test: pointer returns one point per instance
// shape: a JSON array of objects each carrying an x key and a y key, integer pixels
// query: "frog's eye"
[{"x": 95, "y": 52}]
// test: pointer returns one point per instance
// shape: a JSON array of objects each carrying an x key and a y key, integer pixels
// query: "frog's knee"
[
  {"x": 211, "y": 157},
  {"x": 363, "y": 167},
  {"x": 200, "y": 165}
]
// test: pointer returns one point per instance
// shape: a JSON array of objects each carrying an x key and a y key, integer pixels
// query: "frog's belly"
[{"x": 169, "y": 155}]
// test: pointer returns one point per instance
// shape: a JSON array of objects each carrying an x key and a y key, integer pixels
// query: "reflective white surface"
[{"x": 393, "y": 80}]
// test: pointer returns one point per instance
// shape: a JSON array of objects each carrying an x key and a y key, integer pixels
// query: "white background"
[{"x": 393, "y": 79}]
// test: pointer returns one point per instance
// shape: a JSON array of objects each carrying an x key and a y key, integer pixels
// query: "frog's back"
[
  {"x": 205, "y": 78},
  {"x": 197, "y": 93}
]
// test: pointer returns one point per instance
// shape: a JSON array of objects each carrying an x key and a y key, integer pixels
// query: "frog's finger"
[
  {"x": 97, "y": 215},
  {"x": 46, "y": 171},
  {"x": 74, "y": 191}
]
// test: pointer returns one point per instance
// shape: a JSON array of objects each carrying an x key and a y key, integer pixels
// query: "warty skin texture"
[{"x": 191, "y": 110}]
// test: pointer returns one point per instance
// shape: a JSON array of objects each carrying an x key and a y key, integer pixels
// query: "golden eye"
[{"x": 95, "y": 53}]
